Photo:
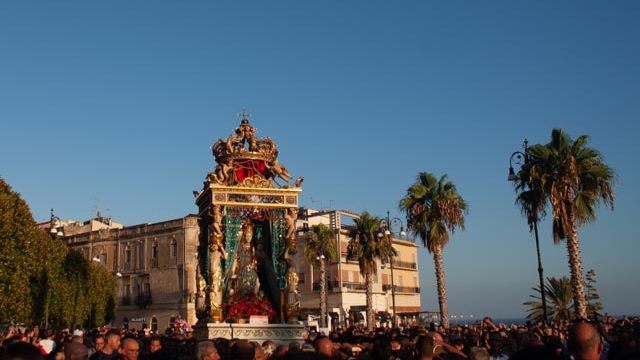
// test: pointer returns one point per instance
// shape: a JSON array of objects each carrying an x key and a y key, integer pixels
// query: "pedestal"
[{"x": 280, "y": 333}]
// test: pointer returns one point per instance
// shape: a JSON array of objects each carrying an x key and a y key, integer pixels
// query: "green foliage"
[
  {"x": 559, "y": 298},
  {"x": 571, "y": 176},
  {"x": 320, "y": 240},
  {"x": 434, "y": 208},
  {"x": 40, "y": 275},
  {"x": 594, "y": 306},
  {"x": 366, "y": 246}
]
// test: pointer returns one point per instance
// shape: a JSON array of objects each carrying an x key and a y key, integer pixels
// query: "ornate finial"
[{"x": 245, "y": 116}]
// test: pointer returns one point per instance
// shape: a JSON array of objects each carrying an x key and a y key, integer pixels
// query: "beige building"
[
  {"x": 346, "y": 285},
  {"x": 154, "y": 264}
]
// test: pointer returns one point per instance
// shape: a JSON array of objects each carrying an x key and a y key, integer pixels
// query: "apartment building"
[{"x": 346, "y": 285}]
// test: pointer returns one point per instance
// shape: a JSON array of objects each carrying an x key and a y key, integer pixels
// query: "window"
[
  {"x": 103, "y": 259},
  {"x": 173, "y": 249},
  {"x": 127, "y": 258},
  {"x": 385, "y": 279},
  {"x": 154, "y": 255},
  {"x": 141, "y": 255},
  {"x": 301, "y": 278}
]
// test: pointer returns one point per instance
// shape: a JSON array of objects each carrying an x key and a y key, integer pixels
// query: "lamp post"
[
  {"x": 386, "y": 224},
  {"x": 522, "y": 159},
  {"x": 55, "y": 231}
]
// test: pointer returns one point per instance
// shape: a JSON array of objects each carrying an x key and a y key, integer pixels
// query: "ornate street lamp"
[
  {"x": 55, "y": 226},
  {"x": 386, "y": 225},
  {"x": 55, "y": 230},
  {"x": 522, "y": 159}
]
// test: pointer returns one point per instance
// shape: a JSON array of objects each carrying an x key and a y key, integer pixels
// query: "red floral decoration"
[{"x": 247, "y": 306}]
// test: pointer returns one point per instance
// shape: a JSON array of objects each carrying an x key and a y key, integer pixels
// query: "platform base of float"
[{"x": 280, "y": 333}]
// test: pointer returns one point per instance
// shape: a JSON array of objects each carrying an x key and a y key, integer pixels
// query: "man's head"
[
  {"x": 425, "y": 346},
  {"x": 478, "y": 353},
  {"x": 324, "y": 346},
  {"x": 130, "y": 349},
  {"x": 75, "y": 351},
  {"x": 99, "y": 342},
  {"x": 112, "y": 342},
  {"x": 154, "y": 344},
  {"x": 23, "y": 351},
  {"x": 242, "y": 350},
  {"x": 584, "y": 341},
  {"x": 207, "y": 351}
]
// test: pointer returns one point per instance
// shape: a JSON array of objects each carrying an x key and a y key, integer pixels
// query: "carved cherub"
[
  {"x": 290, "y": 223},
  {"x": 222, "y": 173},
  {"x": 279, "y": 170}
]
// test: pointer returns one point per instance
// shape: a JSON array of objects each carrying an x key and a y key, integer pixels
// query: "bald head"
[
  {"x": 584, "y": 341},
  {"x": 75, "y": 351}
]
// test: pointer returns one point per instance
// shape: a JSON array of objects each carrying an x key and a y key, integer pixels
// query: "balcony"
[
  {"x": 354, "y": 286},
  {"x": 402, "y": 289},
  {"x": 403, "y": 264},
  {"x": 335, "y": 286},
  {"x": 125, "y": 301},
  {"x": 143, "y": 300}
]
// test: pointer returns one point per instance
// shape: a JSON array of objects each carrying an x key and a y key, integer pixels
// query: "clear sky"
[{"x": 112, "y": 105}]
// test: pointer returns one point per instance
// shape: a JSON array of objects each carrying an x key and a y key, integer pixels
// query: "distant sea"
[{"x": 496, "y": 321}]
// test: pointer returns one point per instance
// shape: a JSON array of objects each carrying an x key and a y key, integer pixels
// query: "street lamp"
[
  {"x": 386, "y": 224},
  {"x": 522, "y": 159},
  {"x": 55, "y": 225},
  {"x": 55, "y": 230}
]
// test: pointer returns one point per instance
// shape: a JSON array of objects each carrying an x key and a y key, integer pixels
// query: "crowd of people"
[{"x": 605, "y": 338}]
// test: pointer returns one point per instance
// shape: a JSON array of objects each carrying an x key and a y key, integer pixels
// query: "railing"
[
  {"x": 354, "y": 285},
  {"x": 335, "y": 286},
  {"x": 125, "y": 301},
  {"x": 404, "y": 289},
  {"x": 143, "y": 300},
  {"x": 405, "y": 264},
  {"x": 154, "y": 262}
]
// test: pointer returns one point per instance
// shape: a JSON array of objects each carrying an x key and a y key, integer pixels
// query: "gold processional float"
[{"x": 247, "y": 241}]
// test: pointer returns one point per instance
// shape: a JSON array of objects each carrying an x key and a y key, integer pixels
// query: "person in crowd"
[
  {"x": 21, "y": 350},
  {"x": 585, "y": 342},
  {"x": 75, "y": 351},
  {"x": 110, "y": 350},
  {"x": 207, "y": 351},
  {"x": 242, "y": 350},
  {"x": 130, "y": 349}
]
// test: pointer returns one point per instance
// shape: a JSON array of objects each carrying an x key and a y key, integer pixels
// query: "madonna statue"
[{"x": 244, "y": 278}]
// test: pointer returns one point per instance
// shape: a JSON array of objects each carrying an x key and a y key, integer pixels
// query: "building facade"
[
  {"x": 154, "y": 264},
  {"x": 346, "y": 285}
]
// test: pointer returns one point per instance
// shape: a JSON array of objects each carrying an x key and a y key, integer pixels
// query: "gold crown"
[{"x": 244, "y": 144}]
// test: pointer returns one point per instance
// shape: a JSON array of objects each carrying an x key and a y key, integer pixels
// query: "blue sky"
[{"x": 113, "y": 106}]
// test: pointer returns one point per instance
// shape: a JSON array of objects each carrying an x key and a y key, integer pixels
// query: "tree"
[
  {"x": 60, "y": 287},
  {"x": 320, "y": 247},
  {"x": 559, "y": 300},
  {"x": 367, "y": 248},
  {"x": 592, "y": 295},
  {"x": 574, "y": 179},
  {"x": 434, "y": 208},
  {"x": 19, "y": 268}
]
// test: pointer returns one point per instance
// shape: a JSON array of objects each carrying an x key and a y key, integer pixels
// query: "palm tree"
[
  {"x": 434, "y": 208},
  {"x": 574, "y": 179},
  {"x": 319, "y": 247},
  {"x": 559, "y": 300},
  {"x": 367, "y": 247}
]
